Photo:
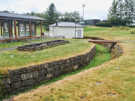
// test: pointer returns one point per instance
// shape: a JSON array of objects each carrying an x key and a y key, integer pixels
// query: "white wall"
[{"x": 66, "y": 32}]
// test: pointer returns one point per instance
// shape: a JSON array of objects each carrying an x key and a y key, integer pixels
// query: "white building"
[{"x": 66, "y": 30}]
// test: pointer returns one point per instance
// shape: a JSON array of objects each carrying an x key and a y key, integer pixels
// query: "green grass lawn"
[
  {"x": 102, "y": 56},
  {"x": 105, "y": 32},
  {"x": 112, "y": 81},
  {"x": 93, "y": 28},
  {"x": 15, "y": 59}
]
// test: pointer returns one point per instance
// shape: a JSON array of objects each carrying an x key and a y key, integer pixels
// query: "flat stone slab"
[{"x": 43, "y": 45}]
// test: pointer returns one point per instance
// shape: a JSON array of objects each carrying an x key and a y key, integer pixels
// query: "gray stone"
[
  {"x": 28, "y": 76},
  {"x": 43, "y": 45},
  {"x": 75, "y": 67}
]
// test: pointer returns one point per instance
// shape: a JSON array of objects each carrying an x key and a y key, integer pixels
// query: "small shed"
[{"x": 66, "y": 30}]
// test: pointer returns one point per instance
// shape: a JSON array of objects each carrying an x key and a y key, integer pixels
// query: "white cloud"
[{"x": 93, "y": 9}]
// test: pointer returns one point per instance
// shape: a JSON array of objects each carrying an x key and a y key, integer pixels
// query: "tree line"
[
  {"x": 121, "y": 13},
  {"x": 51, "y": 15}
]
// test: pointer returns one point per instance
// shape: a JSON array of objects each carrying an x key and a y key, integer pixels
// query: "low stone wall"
[
  {"x": 27, "y": 77},
  {"x": 43, "y": 45},
  {"x": 116, "y": 51}
]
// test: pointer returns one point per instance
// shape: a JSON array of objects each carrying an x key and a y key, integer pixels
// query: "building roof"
[
  {"x": 65, "y": 24},
  {"x": 6, "y": 15}
]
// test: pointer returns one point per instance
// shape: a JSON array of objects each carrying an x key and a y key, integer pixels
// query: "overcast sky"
[{"x": 94, "y": 8}]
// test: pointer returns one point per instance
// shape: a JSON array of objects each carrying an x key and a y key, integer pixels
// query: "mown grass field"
[
  {"x": 112, "y": 81},
  {"x": 102, "y": 56},
  {"x": 14, "y": 59},
  {"x": 114, "y": 33}
]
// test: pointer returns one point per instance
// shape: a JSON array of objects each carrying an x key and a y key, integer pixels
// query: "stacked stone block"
[{"x": 27, "y": 77}]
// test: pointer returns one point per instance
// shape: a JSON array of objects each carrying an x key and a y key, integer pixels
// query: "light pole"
[{"x": 83, "y": 6}]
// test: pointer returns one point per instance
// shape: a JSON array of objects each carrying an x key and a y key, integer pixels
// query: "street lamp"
[{"x": 83, "y": 6}]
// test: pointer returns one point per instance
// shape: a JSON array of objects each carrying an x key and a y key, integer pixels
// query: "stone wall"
[
  {"x": 27, "y": 77},
  {"x": 116, "y": 50},
  {"x": 43, "y": 45}
]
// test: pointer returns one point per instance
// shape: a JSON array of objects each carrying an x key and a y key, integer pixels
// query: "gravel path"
[{"x": 7, "y": 49}]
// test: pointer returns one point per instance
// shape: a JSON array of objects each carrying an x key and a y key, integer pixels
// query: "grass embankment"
[
  {"x": 16, "y": 59},
  {"x": 111, "y": 81},
  {"x": 102, "y": 56}
]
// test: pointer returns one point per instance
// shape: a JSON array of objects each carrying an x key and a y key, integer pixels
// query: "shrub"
[
  {"x": 104, "y": 24},
  {"x": 121, "y": 28},
  {"x": 124, "y": 28},
  {"x": 132, "y": 31}
]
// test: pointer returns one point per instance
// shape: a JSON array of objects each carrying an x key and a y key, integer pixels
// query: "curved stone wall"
[
  {"x": 27, "y": 77},
  {"x": 116, "y": 51}
]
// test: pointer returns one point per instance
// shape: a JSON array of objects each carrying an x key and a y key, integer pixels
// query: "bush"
[
  {"x": 104, "y": 24},
  {"x": 132, "y": 31},
  {"x": 121, "y": 28},
  {"x": 124, "y": 28}
]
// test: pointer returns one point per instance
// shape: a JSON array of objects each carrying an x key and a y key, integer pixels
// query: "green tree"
[
  {"x": 51, "y": 15},
  {"x": 36, "y": 14},
  {"x": 70, "y": 17},
  {"x": 121, "y": 12},
  {"x": 112, "y": 17}
]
